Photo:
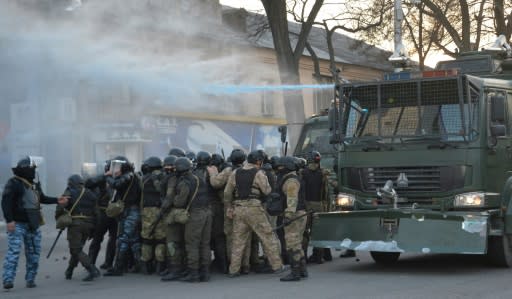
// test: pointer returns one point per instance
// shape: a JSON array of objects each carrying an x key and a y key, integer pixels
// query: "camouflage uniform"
[
  {"x": 317, "y": 199},
  {"x": 288, "y": 188},
  {"x": 219, "y": 181},
  {"x": 249, "y": 215},
  {"x": 153, "y": 243},
  {"x": 174, "y": 233}
]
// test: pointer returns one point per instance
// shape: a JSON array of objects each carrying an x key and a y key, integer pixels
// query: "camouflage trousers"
[
  {"x": 250, "y": 216},
  {"x": 154, "y": 244},
  {"x": 77, "y": 234},
  {"x": 32, "y": 243},
  {"x": 293, "y": 234},
  {"x": 228, "y": 230},
  {"x": 128, "y": 236}
]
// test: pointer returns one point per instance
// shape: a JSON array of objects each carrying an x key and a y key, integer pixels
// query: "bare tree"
[{"x": 288, "y": 57}]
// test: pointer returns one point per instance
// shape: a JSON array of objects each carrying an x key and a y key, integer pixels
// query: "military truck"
[{"x": 424, "y": 161}]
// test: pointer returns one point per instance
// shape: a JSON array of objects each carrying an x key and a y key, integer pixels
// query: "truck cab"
[{"x": 425, "y": 162}]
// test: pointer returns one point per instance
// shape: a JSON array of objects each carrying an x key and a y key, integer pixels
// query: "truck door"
[{"x": 499, "y": 139}]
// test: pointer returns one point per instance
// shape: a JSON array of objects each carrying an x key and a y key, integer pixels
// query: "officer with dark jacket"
[
  {"x": 218, "y": 238},
  {"x": 81, "y": 203},
  {"x": 104, "y": 224},
  {"x": 21, "y": 200},
  {"x": 174, "y": 231},
  {"x": 316, "y": 183},
  {"x": 153, "y": 228},
  {"x": 126, "y": 186},
  {"x": 192, "y": 193}
]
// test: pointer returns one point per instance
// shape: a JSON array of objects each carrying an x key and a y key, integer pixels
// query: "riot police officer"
[
  {"x": 192, "y": 194},
  {"x": 104, "y": 223},
  {"x": 153, "y": 228},
  {"x": 81, "y": 204},
  {"x": 127, "y": 189}
]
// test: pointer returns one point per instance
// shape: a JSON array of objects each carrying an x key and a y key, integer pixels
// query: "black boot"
[
  {"x": 175, "y": 273},
  {"x": 327, "y": 254},
  {"x": 92, "y": 272},
  {"x": 161, "y": 268},
  {"x": 192, "y": 276},
  {"x": 302, "y": 268},
  {"x": 294, "y": 274},
  {"x": 317, "y": 256},
  {"x": 204, "y": 273},
  {"x": 69, "y": 272},
  {"x": 144, "y": 267},
  {"x": 119, "y": 265}
]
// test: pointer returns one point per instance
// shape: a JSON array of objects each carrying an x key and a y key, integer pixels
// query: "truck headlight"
[
  {"x": 345, "y": 200},
  {"x": 471, "y": 199}
]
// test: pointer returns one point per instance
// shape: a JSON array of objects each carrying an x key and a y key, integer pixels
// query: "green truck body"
[{"x": 424, "y": 162}]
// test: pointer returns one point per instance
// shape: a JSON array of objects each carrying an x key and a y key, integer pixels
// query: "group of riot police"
[{"x": 168, "y": 217}]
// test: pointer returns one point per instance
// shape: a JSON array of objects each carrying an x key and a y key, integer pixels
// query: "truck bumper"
[{"x": 402, "y": 231}]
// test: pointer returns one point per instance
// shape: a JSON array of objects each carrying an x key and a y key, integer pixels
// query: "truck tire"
[
  {"x": 385, "y": 258},
  {"x": 499, "y": 250}
]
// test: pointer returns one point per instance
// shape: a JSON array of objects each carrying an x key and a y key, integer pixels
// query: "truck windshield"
[
  {"x": 444, "y": 109},
  {"x": 314, "y": 137}
]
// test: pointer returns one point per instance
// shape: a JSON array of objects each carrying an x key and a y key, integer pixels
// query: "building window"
[
  {"x": 267, "y": 103},
  {"x": 322, "y": 97}
]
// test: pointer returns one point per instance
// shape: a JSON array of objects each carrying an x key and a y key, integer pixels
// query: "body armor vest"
[
  {"x": 150, "y": 194},
  {"x": 244, "y": 180},
  {"x": 301, "y": 205},
  {"x": 313, "y": 182}
]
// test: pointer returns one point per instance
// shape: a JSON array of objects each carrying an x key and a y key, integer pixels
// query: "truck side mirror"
[
  {"x": 498, "y": 130},
  {"x": 498, "y": 109},
  {"x": 283, "y": 131},
  {"x": 334, "y": 117}
]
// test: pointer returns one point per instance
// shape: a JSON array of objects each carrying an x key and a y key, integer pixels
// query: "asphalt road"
[{"x": 413, "y": 276}]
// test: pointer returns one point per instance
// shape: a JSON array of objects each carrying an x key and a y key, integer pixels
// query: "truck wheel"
[
  {"x": 499, "y": 250},
  {"x": 385, "y": 258}
]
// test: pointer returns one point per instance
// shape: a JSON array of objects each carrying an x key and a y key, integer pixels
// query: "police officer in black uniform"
[
  {"x": 82, "y": 204},
  {"x": 104, "y": 223}
]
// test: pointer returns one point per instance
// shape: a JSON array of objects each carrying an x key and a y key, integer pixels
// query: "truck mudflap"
[{"x": 420, "y": 231}]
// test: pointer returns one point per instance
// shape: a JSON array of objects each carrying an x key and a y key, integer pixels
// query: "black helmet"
[
  {"x": 25, "y": 162},
  {"x": 217, "y": 160},
  {"x": 127, "y": 166},
  {"x": 170, "y": 160},
  {"x": 75, "y": 181},
  {"x": 25, "y": 169},
  {"x": 273, "y": 161},
  {"x": 314, "y": 157},
  {"x": 289, "y": 163},
  {"x": 153, "y": 162},
  {"x": 191, "y": 155},
  {"x": 237, "y": 156},
  {"x": 264, "y": 155},
  {"x": 183, "y": 164},
  {"x": 203, "y": 158},
  {"x": 176, "y": 151},
  {"x": 256, "y": 156}
]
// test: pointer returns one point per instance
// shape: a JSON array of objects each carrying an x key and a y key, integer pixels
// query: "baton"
[
  {"x": 288, "y": 222},
  {"x": 54, "y": 243}
]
